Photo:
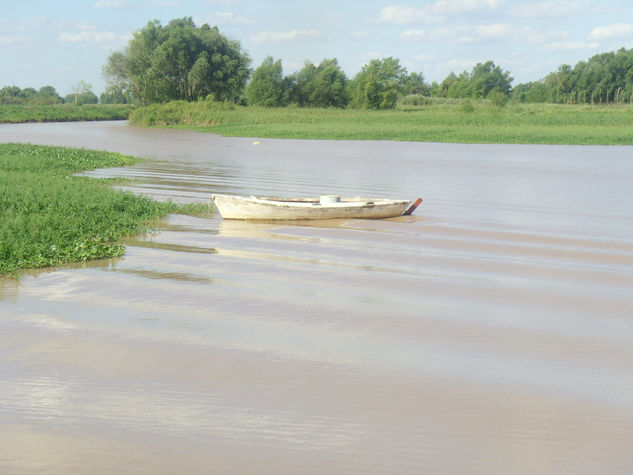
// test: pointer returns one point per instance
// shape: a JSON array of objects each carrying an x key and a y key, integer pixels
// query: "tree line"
[
  {"x": 605, "y": 78},
  {"x": 180, "y": 61},
  {"x": 46, "y": 95}
]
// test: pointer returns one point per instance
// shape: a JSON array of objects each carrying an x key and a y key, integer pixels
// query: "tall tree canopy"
[
  {"x": 604, "y": 78},
  {"x": 321, "y": 86},
  {"x": 15, "y": 95},
  {"x": 268, "y": 87},
  {"x": 179, "y": 61},
  {"x": 379, "y": 84},
  {"x": 484, "y": 79}
]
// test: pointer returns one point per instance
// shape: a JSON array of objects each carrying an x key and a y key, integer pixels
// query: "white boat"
[{"x": 325, "y": 207}]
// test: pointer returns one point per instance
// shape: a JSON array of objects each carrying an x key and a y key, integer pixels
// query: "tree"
[
  {"x": 321, "y": 86},
  {"x": 604, "y": 78},
  {"x": 47, "y": 95},
  {"x": 9, "y": 95},
  {"x": 81, "y": 93},
  {"x": 115, "y": 95},
  {"x": 268, "y": 87},
  {"x": 27, "y": 94},
  {"x": 486, "y": 77},
  {"x": 378, "y": 84},
  {"x": 178, "y": 61},
  {"x": 414, "y": 84}
]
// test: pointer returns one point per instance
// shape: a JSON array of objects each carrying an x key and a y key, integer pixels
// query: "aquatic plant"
[{"x": 50, "y": 217}]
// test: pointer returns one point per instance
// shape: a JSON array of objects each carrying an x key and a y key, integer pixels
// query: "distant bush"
[
  {"x": 497, "y": 98},
  {"x": 467, "y": 107},
  {"x": 28, "y": 95},
  {"x": 203, "y": 112},
  {"x": 418, "y": 100}
]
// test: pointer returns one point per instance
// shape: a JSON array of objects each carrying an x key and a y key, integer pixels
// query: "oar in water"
[{"x": 413, "y": 207}]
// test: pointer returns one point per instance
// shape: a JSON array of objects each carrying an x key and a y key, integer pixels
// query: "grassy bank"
[
  {"x": 50, "y": 217},
  {"x": 437, "y": 122},
  {"x": 62, "y": 112}
]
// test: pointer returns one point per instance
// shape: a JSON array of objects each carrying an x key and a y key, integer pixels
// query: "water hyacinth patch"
[{"x": 50, "y": 217}]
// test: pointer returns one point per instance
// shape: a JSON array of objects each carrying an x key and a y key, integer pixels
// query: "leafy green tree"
[
  {"x": 460, "y": 86},
  {"x": 604, "y": 78},
  {"x": 27, "y": 94},
  {"x": 530, "y": 92},
  {"x": 321, "y": 86},
  {"x": 9, "y": 95},
  {"x": 486, "y": 77},
  {"x": 378, "y": 84},
  {"x": 441, "y": 90},
  {"x": 47, "y": 95},
  {"x": 414, "y": 84},
  {"x": 179, "y": 61},
  {"x": 81, "y": 93},
  {"x": 115, "y": 95},
  {"x": 268, "y": 87}
]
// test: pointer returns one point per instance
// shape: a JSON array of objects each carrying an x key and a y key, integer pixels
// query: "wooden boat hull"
[{"x": 265, "y": 208}]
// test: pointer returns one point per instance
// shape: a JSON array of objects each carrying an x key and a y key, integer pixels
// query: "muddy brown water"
[{"x": 491, "y": 332}]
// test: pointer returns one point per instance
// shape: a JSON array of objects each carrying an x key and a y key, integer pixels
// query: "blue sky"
[{"x": 63, "y": 42}]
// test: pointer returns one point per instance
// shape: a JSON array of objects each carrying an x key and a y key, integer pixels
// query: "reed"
[
  {"x": 51, "y": 217},
  {"x": 433, "y": 121}
]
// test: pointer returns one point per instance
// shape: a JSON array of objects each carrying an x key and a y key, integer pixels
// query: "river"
[{"x": 490, "y": 332}]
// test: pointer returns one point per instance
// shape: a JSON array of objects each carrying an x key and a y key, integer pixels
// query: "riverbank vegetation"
[
  {"x": 212, "y": 88},
  {"x": 188, "y": 76},
  {"x": 15, "y": 113},
  {"x": 51, "y": 217},
  {"x": 415, "y": 119},
  {"x": 180, "y": 61}
]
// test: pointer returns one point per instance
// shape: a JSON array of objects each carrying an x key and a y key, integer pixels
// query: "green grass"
[
  {"x": 10, "y": 113},
  {"x": 450, "y": 121},
  {"x": 50, "y": 217}
]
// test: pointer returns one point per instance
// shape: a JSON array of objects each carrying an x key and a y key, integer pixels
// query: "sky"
[{"x": 64, "y": 42}]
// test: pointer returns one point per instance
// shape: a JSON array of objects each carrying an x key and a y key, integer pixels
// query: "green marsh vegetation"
[
  {"x": 50, "y": 217},
  {"x": 18, "y": 113},
  {"x": 415, "y": 119}
]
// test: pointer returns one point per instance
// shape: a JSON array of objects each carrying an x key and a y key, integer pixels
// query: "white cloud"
[
  {"x": 413, "y": 35},
  {"x": 14, "y": 39},
  {"x": 461, "y": 6},
  {"x": 534, "y": 36},
  {"x": 227, "y": 18},
  {"x": 88, "y": 37},
  {"x": 611, "y": 31},
  {"x": 570, "y": 46},
  {"x": 360, "y": 35},
  {"x": 401, "y": 15},
  {"x": 110, "y": 4},
  {"x": 474, "y": 34},
  {"x": 294, "y": 35},
  {"x": 457, "y": 65},
  {"x": 550, "y": 9},
  {"x": 495, "y": 31},
  {"x": 448, "y": 32},
  {"x": 404, "y": 15},
  {"x": 162, "y": 3}
]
